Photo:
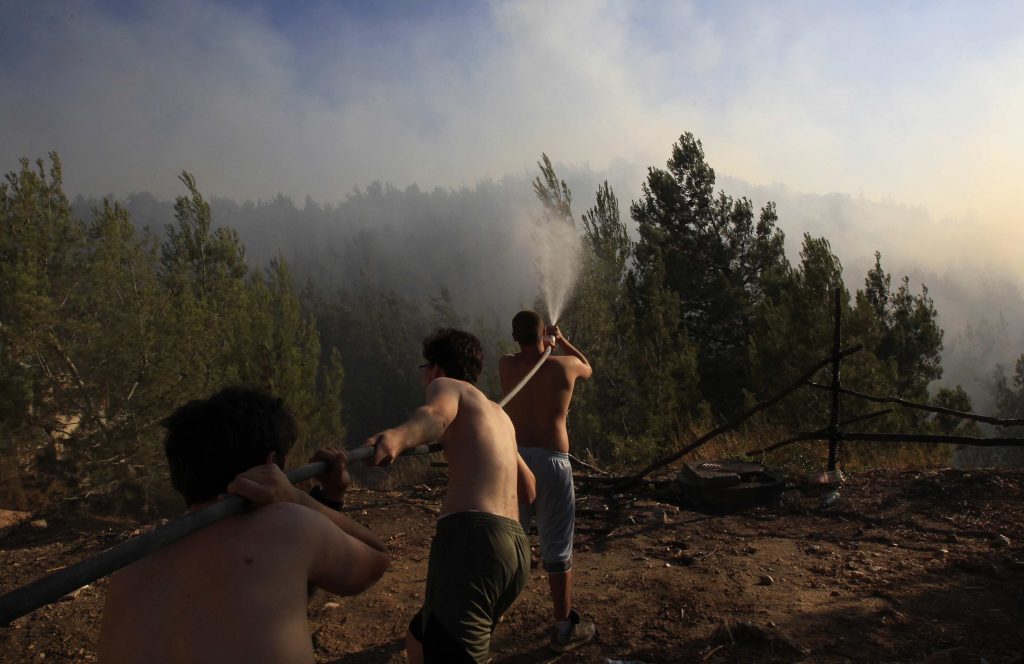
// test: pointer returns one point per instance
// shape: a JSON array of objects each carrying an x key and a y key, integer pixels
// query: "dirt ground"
[{"x": 904, "y": 567}]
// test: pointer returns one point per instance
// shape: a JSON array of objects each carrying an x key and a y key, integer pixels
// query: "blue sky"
[{"x": 915, "y": 102}]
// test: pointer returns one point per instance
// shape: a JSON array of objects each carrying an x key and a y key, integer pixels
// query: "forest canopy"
[{"x": 114, "y": 313}]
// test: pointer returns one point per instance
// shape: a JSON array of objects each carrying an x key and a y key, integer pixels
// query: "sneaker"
[{"x": 581, "y": 632}]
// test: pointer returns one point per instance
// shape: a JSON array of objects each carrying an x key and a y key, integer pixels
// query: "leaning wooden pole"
[
  {"x": 51, "y": 588},
  {"x": 932, "y": 438},
  {"x": 753, "y": 410},
  {"x": 874, "y": 437},
  {"x": 821, "y": 434},
  {"x": 833, "y": 423},
  {"x": 987, "y": 419}
]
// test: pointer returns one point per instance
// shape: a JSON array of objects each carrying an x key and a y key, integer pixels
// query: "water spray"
[{"x": 558, "y": 255}]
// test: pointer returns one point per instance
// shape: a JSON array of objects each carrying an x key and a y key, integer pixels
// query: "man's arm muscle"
[
  {"x": 342, "y": 564},
  {"x": 526, "y": 483},
  {"x": 426, "y": 424},
  {"x": 581, "y": 368}
]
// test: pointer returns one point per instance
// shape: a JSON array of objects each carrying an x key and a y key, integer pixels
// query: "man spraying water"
[{"x": 539, "y": 414}]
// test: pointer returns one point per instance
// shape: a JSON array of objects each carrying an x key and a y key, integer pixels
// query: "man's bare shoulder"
[
  {"x": 289, "y": 521},
  {"x": 445, "y": 384},
  {"x": 565, "y": 361},
  {"x": 270, "y": 524},
  {"x": 283, "y": 510},
  {"x": 511, "y": 360}
]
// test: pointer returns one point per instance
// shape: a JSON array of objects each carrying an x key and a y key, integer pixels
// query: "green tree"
[
  {"x": 1009, "y": 390},
  {"x": 794, "y": 329},
  {"x": 665, "y": 360},
  {"x": 329, "y": 425},
  {"x": 285, "y": 358},
  {"x": 83, "y": 333},
  {"x": 378, "y": 335},
  {"x": 599, "y": 320},
  {"x": 715, "y": 255},
  {"x": 39, "y": 242},
  {"x": 103, "y": 333},
  {"x": 116, "y": 331},
  {"x": 554, "y": 194},
  {"x": 239, "y": 326},
  {"x": 907, "y": 331},
  {"x": 204, "y": 271},
  {"x": 954, "y": 398}
]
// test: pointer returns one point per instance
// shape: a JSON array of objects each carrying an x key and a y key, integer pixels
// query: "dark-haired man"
[
  {"x": 236, "y": 591},
  {"x": 479, "y": 557},
  {"x": 539, "y": 413}
]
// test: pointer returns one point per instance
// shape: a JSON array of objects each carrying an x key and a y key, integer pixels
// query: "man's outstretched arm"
[{"x": 427, "y": 423}]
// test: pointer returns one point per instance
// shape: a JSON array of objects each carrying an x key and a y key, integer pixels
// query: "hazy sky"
[{"x": 915, "y": 102}]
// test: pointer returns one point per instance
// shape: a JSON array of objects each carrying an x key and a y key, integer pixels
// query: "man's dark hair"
[
  {"x": 526, "y": 327},
  {"x": 210, "y": 441},
  {"x": 458, "y": 353}
]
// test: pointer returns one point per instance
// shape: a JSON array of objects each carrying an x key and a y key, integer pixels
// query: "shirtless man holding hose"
[
  {"x": 539, "y": 413},
  {"x": 479, "y": 558},
  {"x": 237, "y": 590}
]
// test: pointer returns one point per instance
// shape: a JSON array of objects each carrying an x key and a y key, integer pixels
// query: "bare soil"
[{"x": 904, "y": 567}]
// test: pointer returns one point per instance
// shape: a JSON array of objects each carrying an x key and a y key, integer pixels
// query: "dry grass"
[{"x": 796, "y": 459}]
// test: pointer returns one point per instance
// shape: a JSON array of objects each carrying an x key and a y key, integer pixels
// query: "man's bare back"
[
  {"x": 237, "y": 590},
  {"x": 539, "y": 411},
  {"x": 479, "y": 443}
]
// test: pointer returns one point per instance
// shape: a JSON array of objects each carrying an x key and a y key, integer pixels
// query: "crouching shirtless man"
[
  {"x": 479, "y": 558},
  {"x": 237, "y": 590}
]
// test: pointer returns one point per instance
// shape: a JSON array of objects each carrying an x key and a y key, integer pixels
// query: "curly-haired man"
[
  {"x": 479, "y": 558},
  {"x": 237, "y": 590}
]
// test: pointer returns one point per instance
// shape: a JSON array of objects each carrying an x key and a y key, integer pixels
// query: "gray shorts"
[{"x": 555, "y": 507}]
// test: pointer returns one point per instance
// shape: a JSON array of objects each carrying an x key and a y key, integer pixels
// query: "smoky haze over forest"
[
  {"x": 388, "y": 153},
  {"x": 482, "y": 248},
  {"x": 919, "y": 111}
]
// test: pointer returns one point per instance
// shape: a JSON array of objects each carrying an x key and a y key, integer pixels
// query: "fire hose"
[{"x": 52, "y": 587}]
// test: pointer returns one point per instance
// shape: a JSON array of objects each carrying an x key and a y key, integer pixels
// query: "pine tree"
[{"x": 715, "y": 257}]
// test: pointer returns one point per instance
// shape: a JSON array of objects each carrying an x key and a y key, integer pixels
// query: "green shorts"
[{"x": 479, "y": 564}]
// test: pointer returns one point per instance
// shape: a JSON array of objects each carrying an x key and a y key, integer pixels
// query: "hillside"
[{"x": 904, "y": 566}]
